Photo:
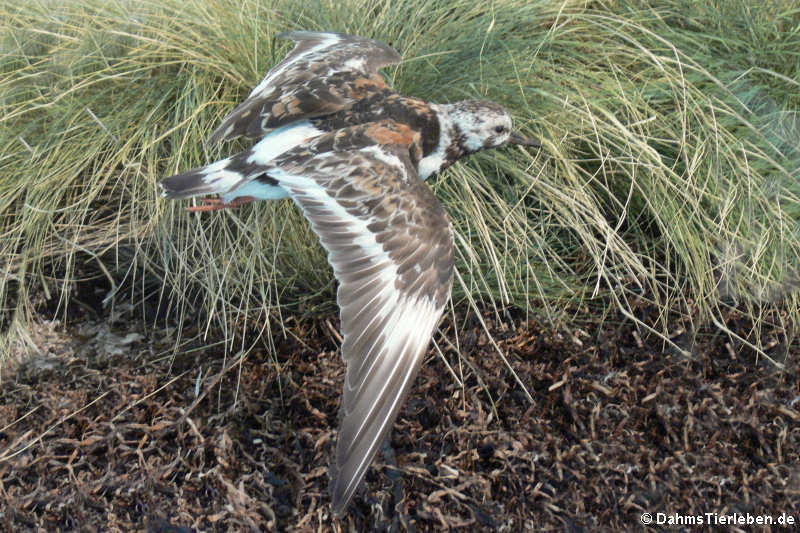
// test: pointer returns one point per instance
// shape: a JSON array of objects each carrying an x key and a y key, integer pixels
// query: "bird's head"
[{"x": 480, "y": 125}]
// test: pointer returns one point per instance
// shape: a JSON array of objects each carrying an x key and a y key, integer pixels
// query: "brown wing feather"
[
  {"x": 323, "y": 74},
  {"x": 391, "y": 247}
]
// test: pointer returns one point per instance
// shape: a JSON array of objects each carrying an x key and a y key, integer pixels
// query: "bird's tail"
[
  {"x": 220, "y": 177},
  {"x": 231, "y": 173}
]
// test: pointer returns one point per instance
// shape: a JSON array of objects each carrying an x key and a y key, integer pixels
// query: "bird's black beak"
[{"x": 516, "y": 138}]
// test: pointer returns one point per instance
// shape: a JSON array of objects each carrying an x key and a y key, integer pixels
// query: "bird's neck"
[{"x": 452, "y": 145}]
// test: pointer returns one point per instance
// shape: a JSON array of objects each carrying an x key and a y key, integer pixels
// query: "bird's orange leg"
[{"x": 215, "y": 204}]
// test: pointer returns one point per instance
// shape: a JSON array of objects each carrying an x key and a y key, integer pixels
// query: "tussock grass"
[{"x": 669, "y": 172}]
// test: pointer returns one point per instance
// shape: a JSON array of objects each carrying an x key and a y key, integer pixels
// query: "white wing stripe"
[
  {"x": 378, "y": 312},
  {"x": 282, "y": 140},
  {"x": 406, "y": 318},
  {"x": 393, "y": 268},
  {"x": 306, "y": 187},
  {"x": 356, "y": 471},
  {"x": 400, "y": 342},
  {"x": 379, "y": 355}
]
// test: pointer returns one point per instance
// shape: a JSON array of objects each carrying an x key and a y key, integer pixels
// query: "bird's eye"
[{"x": 499, "y": 129}]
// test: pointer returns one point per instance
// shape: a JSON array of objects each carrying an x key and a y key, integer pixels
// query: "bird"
[{"x": 353, "y": 154}]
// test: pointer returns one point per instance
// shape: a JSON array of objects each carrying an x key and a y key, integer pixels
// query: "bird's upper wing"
[
  {"x": 391, "y": 247},
  {"x": 323, "y": 74}
]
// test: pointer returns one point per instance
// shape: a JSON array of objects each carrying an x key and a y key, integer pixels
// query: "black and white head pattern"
[{"x": 478, "y": 125}]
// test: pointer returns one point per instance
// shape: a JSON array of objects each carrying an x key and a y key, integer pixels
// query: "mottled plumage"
[
  {"x": 323, "y": 74},
  {"x": 353, "y": 154}
]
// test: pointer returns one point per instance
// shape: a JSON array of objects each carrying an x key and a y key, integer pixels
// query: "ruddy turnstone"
[{"x": 352, "y": 153}]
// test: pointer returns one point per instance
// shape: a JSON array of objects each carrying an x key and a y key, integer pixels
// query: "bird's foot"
[{"x": 215, "y": 204}]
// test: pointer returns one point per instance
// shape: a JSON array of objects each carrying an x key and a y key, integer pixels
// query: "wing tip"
[
  {"x": 299, "y": 35},
  {"x": 392, "y": 56},
  {"x": 225, "y": 131},
  {"x": 338, "y": 501},
  {"x": 341, "y": 492},
  {"x": 215, "y": 137}
]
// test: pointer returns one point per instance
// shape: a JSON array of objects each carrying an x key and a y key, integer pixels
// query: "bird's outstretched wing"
[
  {"x": 391, "y": 247},
  {"x": 323, "y": 74}
]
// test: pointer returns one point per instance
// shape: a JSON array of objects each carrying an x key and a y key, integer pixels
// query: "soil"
[{"x": 108, "y": 428}]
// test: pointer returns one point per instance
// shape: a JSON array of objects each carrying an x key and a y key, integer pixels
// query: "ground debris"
[{"x": 102, "y": 432}]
